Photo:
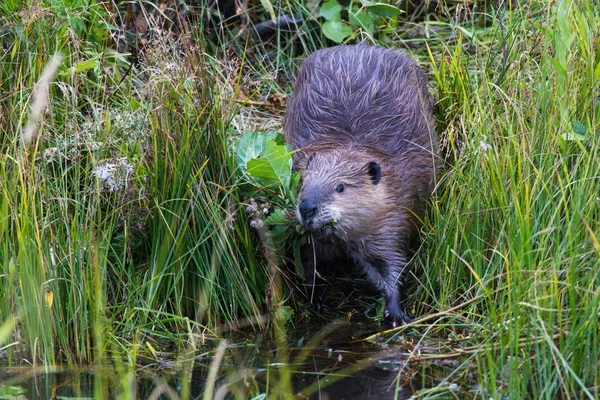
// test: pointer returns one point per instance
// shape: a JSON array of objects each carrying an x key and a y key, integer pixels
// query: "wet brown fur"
[{"x": 354, "y": 106}]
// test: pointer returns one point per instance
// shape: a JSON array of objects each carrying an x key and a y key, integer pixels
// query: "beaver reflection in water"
[{"x": 360, "y": 118}]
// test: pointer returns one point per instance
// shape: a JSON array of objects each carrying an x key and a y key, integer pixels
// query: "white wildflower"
[
  {"x": 172, "y": 67},
  {"x": 114, "y": 175},
  {"x": 484, "y": 147}
]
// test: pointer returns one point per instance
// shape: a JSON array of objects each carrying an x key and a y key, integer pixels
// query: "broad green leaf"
[
  {"x": 381, "y": 9},
  {"x": 277, "y": 217},
  {"x": 579, "y": 128},
  {"x": 78, "y": 25},
  {"x": 362, "y": 19},
  {"x": 81, "y": 67},
  {"x": 336, "y": 30},
  {"x": 263, "y": 171},
  {"x": 273, "y": 165},
  {"x": 330, "y": 10},
  {"x": 86, "y": 65},
  {"x": 250, "y": 145}
]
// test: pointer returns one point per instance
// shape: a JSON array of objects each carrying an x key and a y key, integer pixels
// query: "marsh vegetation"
[{"x": 145, "y": 198}]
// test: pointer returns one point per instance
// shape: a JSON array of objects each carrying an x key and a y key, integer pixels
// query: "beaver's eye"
[{"x": 340, "y": 188}]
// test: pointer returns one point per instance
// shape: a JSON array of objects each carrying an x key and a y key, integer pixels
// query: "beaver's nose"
[{"x": 308, "y": 209}]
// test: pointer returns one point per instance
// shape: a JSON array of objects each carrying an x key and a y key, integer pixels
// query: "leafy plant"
[
  {"x": 271, "y": 187},
  {"x": 87, "y": 18},
  {"x": 364, "y": 16}
]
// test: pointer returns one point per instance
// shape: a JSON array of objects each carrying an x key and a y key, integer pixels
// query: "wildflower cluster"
[
  {"x": 258, "y": 210},
  {"x": 114, "y": 175}
]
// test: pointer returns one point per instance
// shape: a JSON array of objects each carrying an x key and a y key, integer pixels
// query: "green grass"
[
  {"x": 508, "y": 267},
  {"x": 87, "y": 263},
  {"x": 516, "y": 221}
]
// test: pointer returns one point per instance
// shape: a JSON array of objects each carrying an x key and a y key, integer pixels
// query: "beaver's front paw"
[{"x": 394, "y": 315}]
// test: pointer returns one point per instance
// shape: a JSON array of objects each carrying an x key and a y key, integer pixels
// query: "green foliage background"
[{"x": 162, "y": 255}]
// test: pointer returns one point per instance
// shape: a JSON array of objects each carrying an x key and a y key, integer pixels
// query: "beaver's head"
[{"x": 341, "y": 188}]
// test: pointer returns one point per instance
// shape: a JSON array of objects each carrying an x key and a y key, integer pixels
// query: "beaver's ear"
[
  {"x": 374, "y": 171},
  {"x": 302, "y": 159},
  {"x": 309, "y": 158}
]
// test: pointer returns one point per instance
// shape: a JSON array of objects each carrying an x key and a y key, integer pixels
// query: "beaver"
[{"x": 360, "y": 120}]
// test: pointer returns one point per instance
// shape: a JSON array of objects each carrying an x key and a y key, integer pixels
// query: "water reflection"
[
  {"x": 324, "y": 380},
  {"x": 318, "y": 364}
]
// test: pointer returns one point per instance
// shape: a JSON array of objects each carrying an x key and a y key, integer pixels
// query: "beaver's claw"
[{"x": 395, "y": 316}]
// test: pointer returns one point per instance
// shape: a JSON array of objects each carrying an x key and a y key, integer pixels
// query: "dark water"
[
  {"x": 316, "y": 362},
  {"x": 371, "y": 383},
  {"x": 325, "y": 377},
  {"x": 336, "y": 367}
]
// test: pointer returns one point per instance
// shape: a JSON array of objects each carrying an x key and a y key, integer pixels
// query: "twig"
[{"x": 427, "y": 317}]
